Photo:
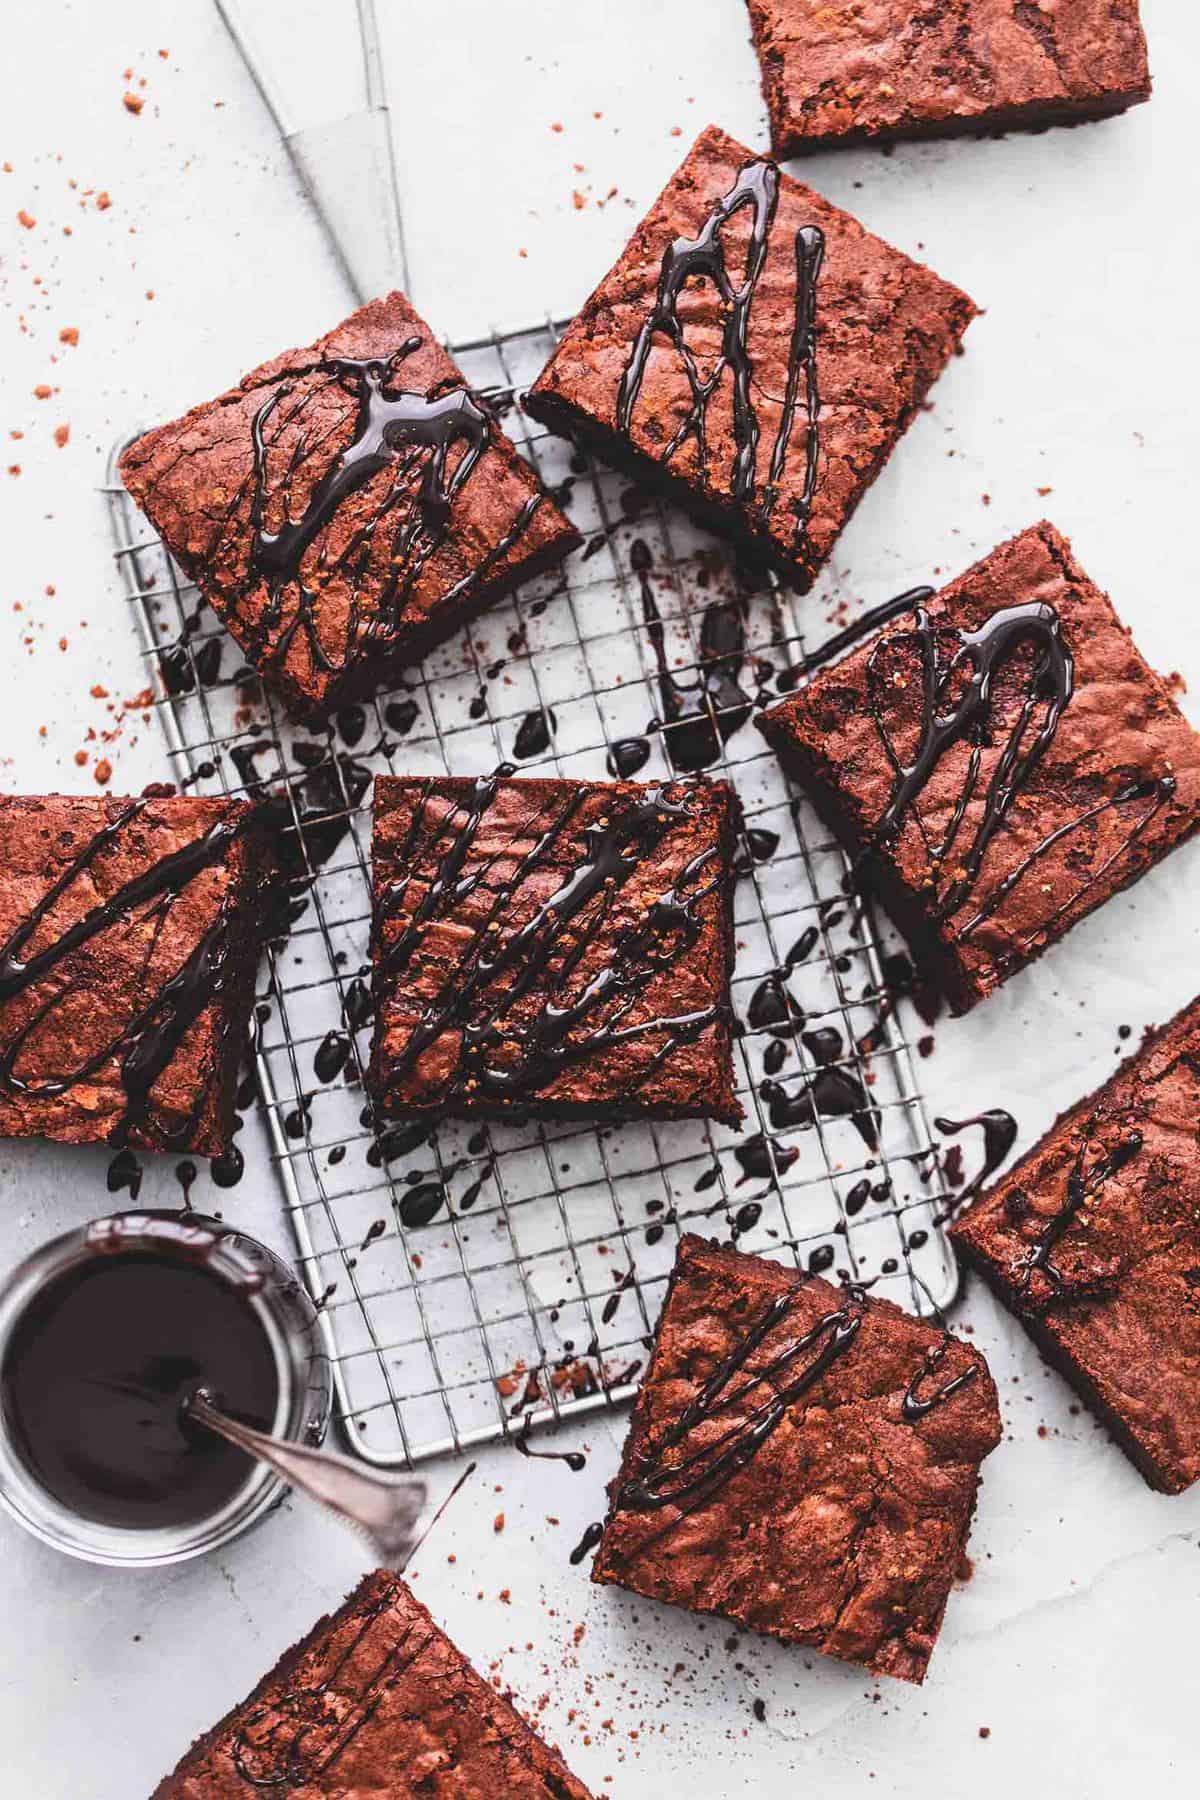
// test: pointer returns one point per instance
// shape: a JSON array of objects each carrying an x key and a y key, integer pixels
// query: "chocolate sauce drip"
[
  {"x": 352, "y": 723},
  {"x": 326, "y": 800},
  {"x": 357, "y": 1005},
  {"x": 575, "y": 1460},
  {"x": 746, "y": 1217},
  {"x": 1081, "y": 1186},
  {"x": 421, "y": 1204},
  {"x": 502, "y": 1052},
  {"x": 999, "y": 1136},
  {"x": 401, "y": 715},
  {"x": 773, "y": 1009},
  {"x": 208, "y": 661},
  {"x": 147, "y": 1043},
  {"x": 627, "y": 756},
  {"x": 774, "y": 1056},
  {"x": 687, "y": 260},
  {"x": 863, "y": 627},
  {"x": 761, "y": 1158},
  {"x": 588, "y": 1541},
  {"x": 698, "y": 1475},
  {"x": 228, "y": 1168},
  {"x": 756, "y": 845},
  {"x": 124, "y": 1171},
  {"x": 698, "y": 717},
  {"x": 1050, "y": 681},
  {"x": 857, "y": 1198},
  {"x": 533, "y": 734},
  {"x": 831, "y": 1094},
  {"x": 914, "y": 1406},
  {"x": 331, "y": 1055}
]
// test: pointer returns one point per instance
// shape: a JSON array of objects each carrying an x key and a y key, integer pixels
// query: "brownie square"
[
  {"x": 802, "y": 1460},
  {"x": 553, "y": 949},
  {"x": 129, "y": 938},
  {"x": 754, "y": 353},
  {"x": 376, "y": 1700},
  {"x": 998, "y": 762},
  {"x": 889, "y": 69},
  {"x": 1093, "y": 1241},
  {"x": 346, "y": 506}
]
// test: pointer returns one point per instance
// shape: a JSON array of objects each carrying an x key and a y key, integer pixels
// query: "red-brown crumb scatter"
[
  {"x": 578, "y": 200},
  {"x": 498, "y": 1522},
  {"x": 62, "y": 435},
  {"x": 133, "y": 103},
  {"x": 42, "y": 391},
  {"x": 69, "y": 334},
  {"x": 556, "y": 126},
  {"x": 103, "y": 200},
  {"x": 26, "y": 219},
  {"x": 102, "y": 771},
  {"x": 985, "y": 1731}
]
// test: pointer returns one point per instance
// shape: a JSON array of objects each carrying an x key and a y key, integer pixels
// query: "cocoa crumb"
[
  {"x": 102, "y": 771},
  {"x": 498, "y": 1522},
  {"x": 26, "y": 219},
  {"x": 42, "y": 391},
  {"x": 69, "y": 334},
  {"x": 62, "y": 435},
  {"x": 133, "y": 103}
]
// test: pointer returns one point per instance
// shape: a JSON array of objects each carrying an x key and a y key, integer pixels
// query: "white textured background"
[{"x": 1074, "y": 1641}]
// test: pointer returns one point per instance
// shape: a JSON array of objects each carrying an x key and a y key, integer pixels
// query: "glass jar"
[{"x": 293, "y": 1330}]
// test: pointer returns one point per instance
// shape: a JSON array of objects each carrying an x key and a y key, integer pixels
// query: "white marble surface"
[{"x": 1074, "y": 1642}]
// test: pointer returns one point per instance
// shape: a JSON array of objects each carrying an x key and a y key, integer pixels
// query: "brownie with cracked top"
[
  {"x": 755, "y": 353},
  {"x": 375, "y": 1700},
  {"x": 998, "y": 762},
  {"x": 883, "y": 69},
  {"x": 1093, "y": 1241},
  {"x": 347, "y": 506},
  {"x": 553, "y": 948},
  {"x": 130, "y": 931},
  {"x": 802, "y": 1459}
]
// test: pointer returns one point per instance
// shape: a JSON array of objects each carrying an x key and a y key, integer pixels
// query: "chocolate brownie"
[
  {"x": 891, "y": 69},
  {"x": 755, "y": 353},
  {"x": 129, "y": 937},
  {"x": 553, "y": 948},
  {"x": 802, "y": 1459},
  {"x": 1093, "y": 1240},
  {"x": 376, "y": 1700},
  {"x": 346, "y": 506},
  {"x": 999, "y": 761}
]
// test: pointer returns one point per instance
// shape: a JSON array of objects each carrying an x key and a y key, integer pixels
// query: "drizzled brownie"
[
  {"x": 129, "y": 937},
  {"x": 755, "y": 353},
  {"x": 888, "y": 69},
  {"x": 1093, "y": 1240},
  {"x": 802, "y": 1459},
  {"x": 553, "y": 948},
  {"x": 346, "y": 506},
  {"x": 998, "y": 761},
  {"x": 376, "y": 1700}
]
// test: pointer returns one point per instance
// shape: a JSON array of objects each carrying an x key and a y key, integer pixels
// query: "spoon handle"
[{"x": 385, "y": 1507}]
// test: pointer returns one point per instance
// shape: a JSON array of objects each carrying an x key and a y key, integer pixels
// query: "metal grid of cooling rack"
[{"x": 533, "y": 1292}]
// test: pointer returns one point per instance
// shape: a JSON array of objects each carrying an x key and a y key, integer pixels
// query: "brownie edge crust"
[
  {"x": 1093, "y": 1241},
  {"x": 802, "y": 1460},
  {"x": 847, "y": 74},
  {"x": 375, "y": 1700}
]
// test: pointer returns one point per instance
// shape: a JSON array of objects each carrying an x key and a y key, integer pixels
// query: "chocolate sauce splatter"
[
  {"x": 999, "y": 1136},
  {"x": 761, "y": 1158},
  {"x": 228, "y": 1168},
  {"x": 331, "y": 1055},
  {"x": 125, "y": 1171},
  {"x": 357, "y": 1005},
  {"x": 575, "y": 1460},
  {"x": 401, "y": 715},
  {"x": 421, "y": 1204},
  {"x": 588, "y": 1541},
  {"x": 627, "y": 756},
  {"x": 697, "y": 717},
  {"x": 533, "y": 733}
]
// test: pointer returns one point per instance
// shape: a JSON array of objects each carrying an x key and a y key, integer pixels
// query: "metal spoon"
[{"x": 385, "y": 1508}]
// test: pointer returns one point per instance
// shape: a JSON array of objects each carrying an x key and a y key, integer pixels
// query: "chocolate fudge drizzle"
[
  {"x": 503, "y": 1054},
  {"x": 984, "y": 651},
  {"x": 916, "y": 1405},
  {"x": 300, "y": 1731},
  {"x": 685, "y": 259},
  {"x": 1081, "y": 1185},
  {"x": 694, "y": 1478},
  {"x": 411, "y": 433},
  {"x": 150, "y": 1039}
]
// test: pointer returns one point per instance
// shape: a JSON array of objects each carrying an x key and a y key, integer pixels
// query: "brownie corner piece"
[
  {"x": 553, "y": 948},
  {"x": 1092, "y": 1240},
  {"x": 839, "y": 75},
  {"x": 129, "y": 938},
  {"x": 375, "y": 1700},
  {"x": 753, "y": 353},
  {"x": 347, "y": 506},
  {"x": 802, "y": 1460},
  {"x": 997, "y": 762}
]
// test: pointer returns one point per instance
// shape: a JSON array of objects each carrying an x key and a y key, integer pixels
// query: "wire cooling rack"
[{"x": 533, "y": 1291}]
